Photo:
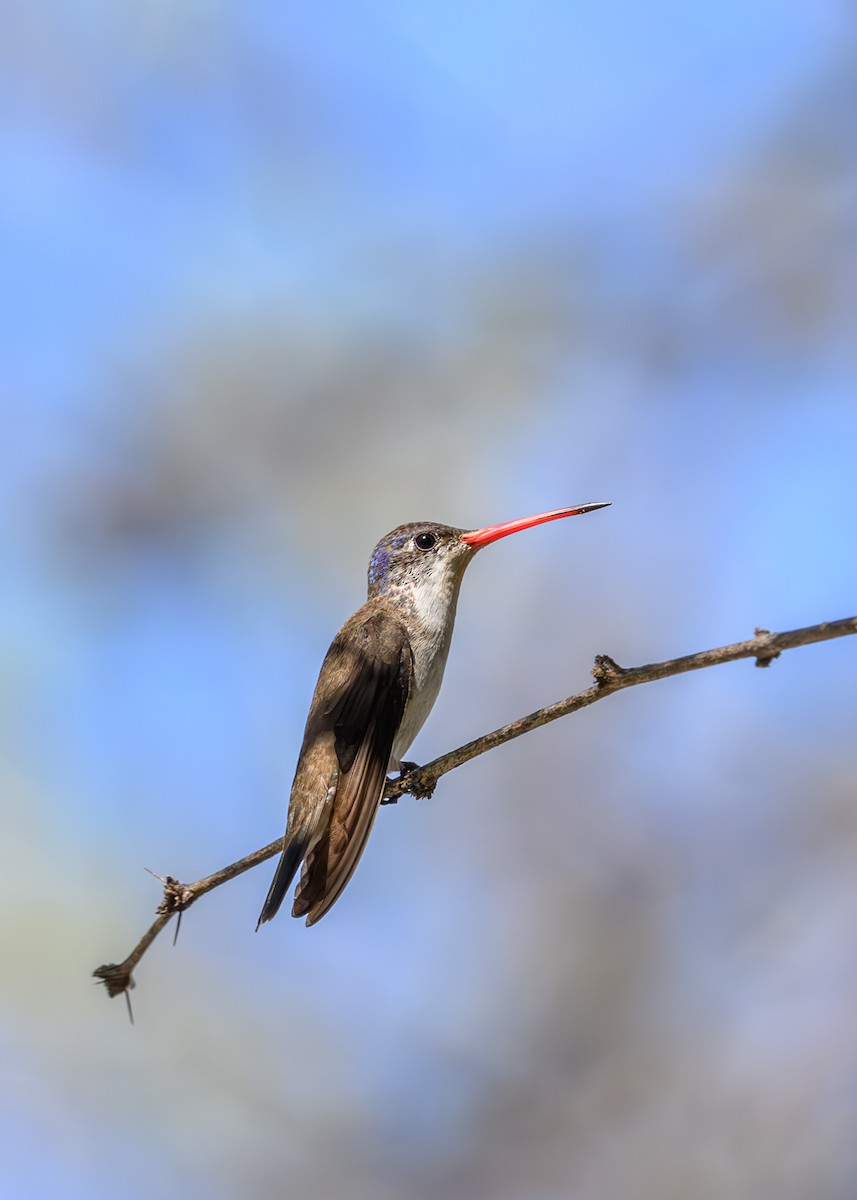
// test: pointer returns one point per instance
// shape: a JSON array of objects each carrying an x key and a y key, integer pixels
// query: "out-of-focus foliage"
[{"x": 275, "y": 282}]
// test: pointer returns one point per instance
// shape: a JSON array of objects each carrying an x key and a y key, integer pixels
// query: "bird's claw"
[
  {"x": 407, "y": 781},
  {"x": 418, "y": 789}
]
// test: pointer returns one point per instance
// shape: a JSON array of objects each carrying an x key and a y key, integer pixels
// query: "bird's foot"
[
  {"x": 419, "y": 789},
  {"x": 407, "y": 781}
]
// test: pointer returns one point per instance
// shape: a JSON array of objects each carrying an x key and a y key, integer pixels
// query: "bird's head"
[{"x": 426, "y": 556}]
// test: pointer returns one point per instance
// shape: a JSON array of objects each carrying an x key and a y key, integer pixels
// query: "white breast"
[{"x": 430, "y": 627}]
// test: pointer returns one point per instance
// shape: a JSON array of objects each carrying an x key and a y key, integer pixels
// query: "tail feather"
[{"x": 290, "y": 860}]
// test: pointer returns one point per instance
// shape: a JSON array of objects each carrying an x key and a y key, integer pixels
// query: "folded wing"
[{"x": 374, "y": 666}]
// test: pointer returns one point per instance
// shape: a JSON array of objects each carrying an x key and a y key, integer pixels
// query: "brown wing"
[{"x": 365, "y": 711}]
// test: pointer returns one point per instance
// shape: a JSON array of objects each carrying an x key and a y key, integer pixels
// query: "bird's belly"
[{"x": 423, "y": 695}]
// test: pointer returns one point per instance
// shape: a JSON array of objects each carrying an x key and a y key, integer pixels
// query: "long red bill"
[{"x": 481, "y": 537}]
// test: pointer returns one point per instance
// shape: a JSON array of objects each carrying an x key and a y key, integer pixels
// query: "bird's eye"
[{"x": 424, "y": 541}]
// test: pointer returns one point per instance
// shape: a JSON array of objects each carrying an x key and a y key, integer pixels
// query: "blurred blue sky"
[
  {"x": 276, "y": 279},
  {"x": 141, "y": 139}
]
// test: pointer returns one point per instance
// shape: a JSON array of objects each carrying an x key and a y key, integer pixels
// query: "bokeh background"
[{"x": 275, "y": 279}]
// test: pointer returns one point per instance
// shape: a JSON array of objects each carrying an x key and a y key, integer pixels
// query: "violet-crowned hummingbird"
[{"x": 376, "y": 687}]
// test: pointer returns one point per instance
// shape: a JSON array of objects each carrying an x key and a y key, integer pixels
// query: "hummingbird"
[{"x": 377, "y": 684}]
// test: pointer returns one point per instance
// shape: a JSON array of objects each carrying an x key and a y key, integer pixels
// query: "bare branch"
[{"x": 421, "y": 781}]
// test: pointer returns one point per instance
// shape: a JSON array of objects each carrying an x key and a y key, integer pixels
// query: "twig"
[{"x": 421, "y": 781}]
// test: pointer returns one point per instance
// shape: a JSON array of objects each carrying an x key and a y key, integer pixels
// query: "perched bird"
[{"x": 376, "y": 687}]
